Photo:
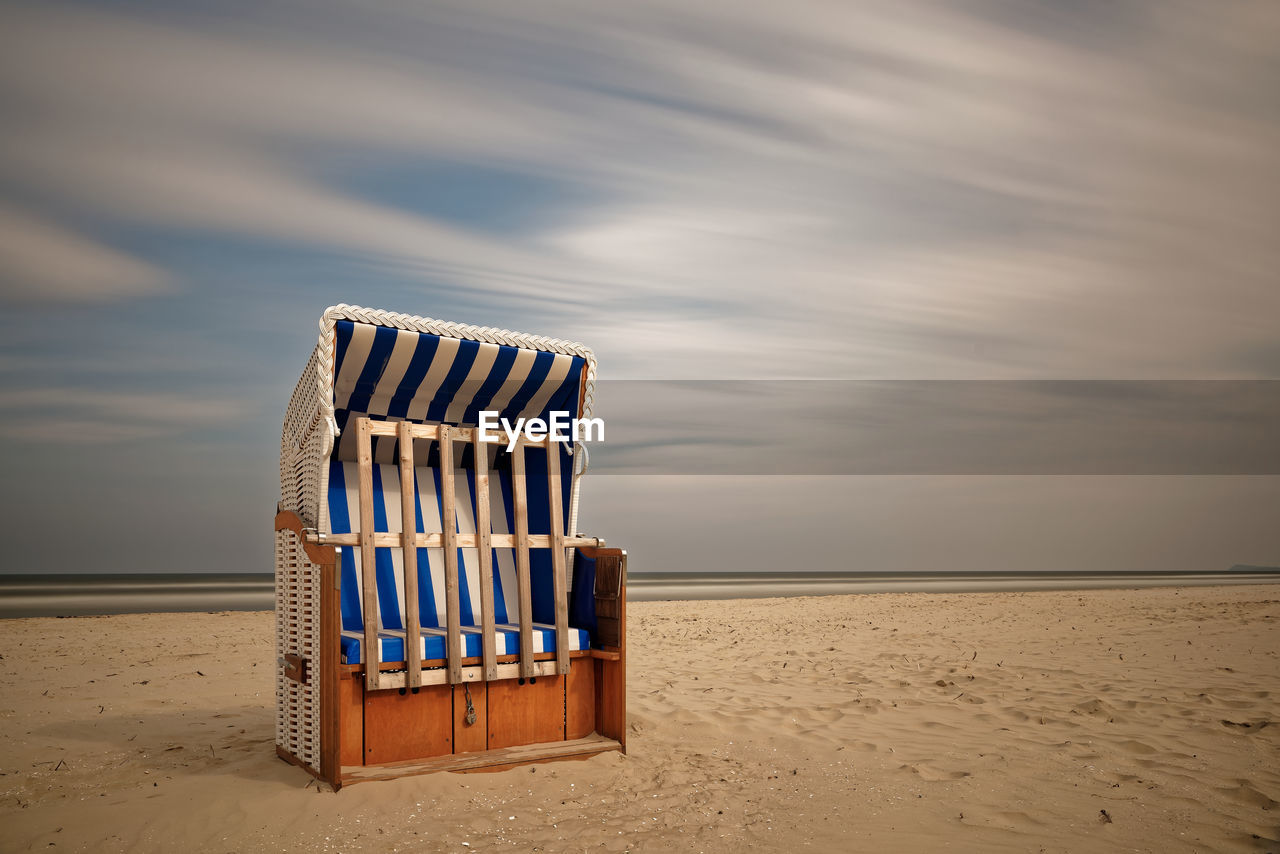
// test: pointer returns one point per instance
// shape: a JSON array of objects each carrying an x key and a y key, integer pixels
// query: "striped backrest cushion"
[{"x": 344, "y": 517}]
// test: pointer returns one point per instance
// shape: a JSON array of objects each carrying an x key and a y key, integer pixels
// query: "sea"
[{"x": 84, "y": 595}]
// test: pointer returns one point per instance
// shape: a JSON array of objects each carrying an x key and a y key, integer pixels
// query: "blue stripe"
[
  {"x": 462, "y": 362},
  {"x": 388, "y": 602},
  {"x": 497, "y": 376},
  {"x": 384, "y": 341},
  {"x": 537, "y": 375},
  {"x": 540, "y": 569},
  {"x": 565, "y": 399},
  {"x": 582, "y": 603},
  {"x": 341, "y": 416},
  {"x": 423, "y": 354},
  {"x": 540, "y": 576},
  {"x": 342, "y": 332},
  {"x": 340, "y": 523}
]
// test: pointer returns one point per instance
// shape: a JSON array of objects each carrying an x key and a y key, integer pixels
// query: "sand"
[{"x": 1135, "y": 720}]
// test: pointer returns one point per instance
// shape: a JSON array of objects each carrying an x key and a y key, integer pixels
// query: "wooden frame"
[
  {"x": 408, "y": 541},
  {"x": 347, "y": 723},
  {"x": 592, "y": 694}
]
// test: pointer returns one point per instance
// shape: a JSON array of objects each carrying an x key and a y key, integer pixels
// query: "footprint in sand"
[
  {"x": 930, "y": 774},
  {"x": 1245, "y": 792},
  {"x": 1135, "y": 746},
  {"x": 1094, "y": 706},
  {"x": 1018, "y": 822}
]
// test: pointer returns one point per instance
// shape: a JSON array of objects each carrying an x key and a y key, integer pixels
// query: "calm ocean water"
[{"x": 77, "y": 595}]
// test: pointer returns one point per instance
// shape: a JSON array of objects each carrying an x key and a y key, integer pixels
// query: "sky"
[{"x": 844, "y": 192}]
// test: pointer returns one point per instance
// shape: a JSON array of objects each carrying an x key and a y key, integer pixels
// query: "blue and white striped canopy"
[{"x": 397, "y": 374}]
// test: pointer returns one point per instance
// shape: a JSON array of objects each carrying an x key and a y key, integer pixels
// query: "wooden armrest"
[{"x": 610, "y": 593}]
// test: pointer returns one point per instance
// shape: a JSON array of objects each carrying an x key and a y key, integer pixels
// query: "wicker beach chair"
[{"x": 433, "y": 611}]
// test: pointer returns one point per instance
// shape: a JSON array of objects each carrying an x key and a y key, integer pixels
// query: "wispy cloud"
[
  {"x": 87, "y": 416},
  {"x": 930, "y": 189},
  {"x": 42, "y": 261}
]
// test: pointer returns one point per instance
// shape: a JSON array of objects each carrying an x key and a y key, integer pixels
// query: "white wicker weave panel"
[
  {"x": 300, "y": 441},
  {"x": 282, "y": 615},
  {"x": 297, "y": 632},
  {"x": 313, "y": 481}
]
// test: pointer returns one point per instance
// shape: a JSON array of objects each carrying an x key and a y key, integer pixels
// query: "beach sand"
[{"x": 1109, "y": 720}]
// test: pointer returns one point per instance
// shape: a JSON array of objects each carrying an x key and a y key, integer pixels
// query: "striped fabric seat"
[{"x": 344, "y": 517}]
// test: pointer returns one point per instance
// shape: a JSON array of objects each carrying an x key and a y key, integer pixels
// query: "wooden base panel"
[
  {"x": 528, "y": 713},
  {"x": 527, "y": 709},
  {"x": 470, "y": 737},
  {"x": 580, "y": 701},
  {"x": 351, "y": 722},
  {"x": 401, "y": 726},
  {"x": 496, "y": 759}
]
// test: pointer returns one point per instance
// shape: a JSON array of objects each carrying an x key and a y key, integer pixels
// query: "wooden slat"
[
  {"x": 524, "y": 597},
  {"x": 449, "y": 522},
  {"x": 368, "y": 571},
  {"x": 408, "y": 528},
  {"x": 460, "y": 434},
  {"x": 484, "y": 532},
  {"x": 463, "y": 541},
  {"x": 333, "y": 715},
  {"x": 559, "y": 588},
  {"x": 474, "y": 673},
  {"x": 381, "y": 428},
  {"x": 488, "y": 758},
  {"x": 476, "y": 661}
]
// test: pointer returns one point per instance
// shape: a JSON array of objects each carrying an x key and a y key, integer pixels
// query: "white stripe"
[
  {"x": 540, "y": 636},
  {"x": 480, "y": 368},
  {"x": 470, "y": 557},
  {"x": 353, "y": 363},
  {"x": 347, "y": 441},
  {"x": 506, "y": 559},
  {"x": 388, "y": 634},
  {"x": 397, "y": 364},
  {"x": 520, "y": 369},
  {"x": 441, "y": 362},
  {"x": 559, "y": 370},
  {"x": 391, "y": 505},
  {"x": 384, "y": 450},
  {"x": 431, "y": 525}
]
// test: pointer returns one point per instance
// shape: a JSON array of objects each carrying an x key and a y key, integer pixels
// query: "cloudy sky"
[{"x": 980, "y": 189}]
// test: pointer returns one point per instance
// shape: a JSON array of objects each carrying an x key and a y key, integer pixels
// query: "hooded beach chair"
[{"x": 434, "y": 609}]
